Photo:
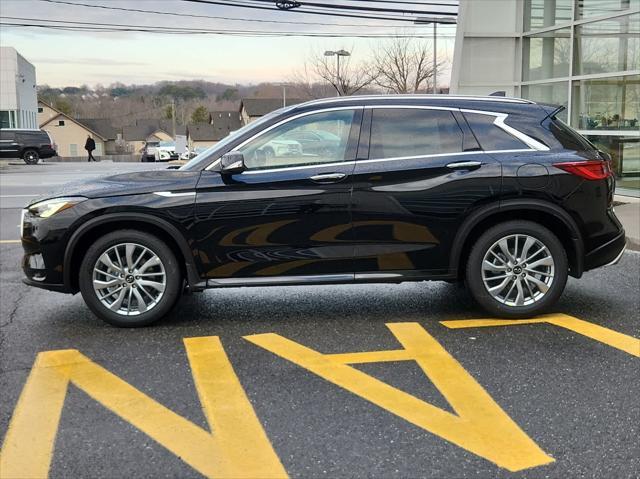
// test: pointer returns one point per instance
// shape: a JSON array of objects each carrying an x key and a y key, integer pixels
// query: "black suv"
[
  {"x": 30, "y": 145},
  {"x": 497, "y": 192}
]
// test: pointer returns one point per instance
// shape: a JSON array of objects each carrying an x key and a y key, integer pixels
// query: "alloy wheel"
[
  {"x": 518, "y": 270},
  {"x": 129, "y": 279}
]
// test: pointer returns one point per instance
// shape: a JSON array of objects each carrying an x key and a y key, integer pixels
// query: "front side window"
[
  {"x": 313, "y": 139},
  {"x": 406, "y": 132}
]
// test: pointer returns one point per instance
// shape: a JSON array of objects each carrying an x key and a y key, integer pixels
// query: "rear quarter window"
[{"x": 490, "y": 136}]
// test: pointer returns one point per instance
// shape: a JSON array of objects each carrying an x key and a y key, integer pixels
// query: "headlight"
[{"x": 47, "y": 208}]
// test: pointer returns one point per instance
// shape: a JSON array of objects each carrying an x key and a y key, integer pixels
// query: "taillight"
[{"x": 589, "y": 170}]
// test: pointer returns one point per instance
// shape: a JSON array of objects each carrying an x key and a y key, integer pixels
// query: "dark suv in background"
[
  {"x": 497, "y": 192},
  {"x": 30, "y": 145}
]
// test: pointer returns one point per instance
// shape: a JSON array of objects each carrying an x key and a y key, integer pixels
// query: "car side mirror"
[{"x": 232, "y": 163}]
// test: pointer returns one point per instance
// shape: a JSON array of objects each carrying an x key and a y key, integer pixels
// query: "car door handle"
[
  {"x": 328, "y": 177},
  {"x": 464, "y": 165}
]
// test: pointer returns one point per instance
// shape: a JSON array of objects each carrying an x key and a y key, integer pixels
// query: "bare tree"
[
  {"x": 404, "y": 65},
  {"x": 351, "y": 77},
  {"x": 304, "y": 83}
]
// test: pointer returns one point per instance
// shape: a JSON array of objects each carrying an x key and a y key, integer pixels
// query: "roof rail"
[{"x": 501, "y": 99}]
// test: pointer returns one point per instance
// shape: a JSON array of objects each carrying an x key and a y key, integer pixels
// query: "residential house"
[
  {"x": 69, "y": 135},
  {"x": 149, "y": 131},
  {"x": 46, "y": 112},
  {"x": 226, "y": 121},
  {"x": 203, "y": 135},
  {"x": 103, "y": 127},
  {"x": 253, "y": 108}
]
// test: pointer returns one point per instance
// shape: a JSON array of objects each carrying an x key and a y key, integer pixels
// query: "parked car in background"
[
  {"x": 496, "y": 192},
  {"x": 30, "y": 145},
  {"x": 315, "y": 142}
]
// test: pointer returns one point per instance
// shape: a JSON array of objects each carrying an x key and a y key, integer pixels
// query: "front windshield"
[{"x": 210, "y": 154}]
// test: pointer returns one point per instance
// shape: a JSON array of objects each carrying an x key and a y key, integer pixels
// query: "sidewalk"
[{"x": 629, "y": 215}]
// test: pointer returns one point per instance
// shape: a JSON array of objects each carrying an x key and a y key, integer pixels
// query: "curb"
[{"x": 633, "y": 244}]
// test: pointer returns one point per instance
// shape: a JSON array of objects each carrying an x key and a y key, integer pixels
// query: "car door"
[
  {"x": 419, "y": 173},
  {"x": 9, "y": 147},
  {"x": 288, "y": 213}
]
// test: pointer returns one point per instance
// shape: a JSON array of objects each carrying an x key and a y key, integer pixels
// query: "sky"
[{"x": 73, "y": 58}]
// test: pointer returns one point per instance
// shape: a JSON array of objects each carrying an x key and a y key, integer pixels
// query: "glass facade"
[{"x": 585, "y": 55}]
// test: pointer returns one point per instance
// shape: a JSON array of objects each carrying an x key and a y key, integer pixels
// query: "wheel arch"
[
  {"x": 80, "y": 240},
  {"x": 543, "y": 212}
]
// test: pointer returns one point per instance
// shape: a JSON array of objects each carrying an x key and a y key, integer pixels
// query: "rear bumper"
[{"x": 606, "y": 254}]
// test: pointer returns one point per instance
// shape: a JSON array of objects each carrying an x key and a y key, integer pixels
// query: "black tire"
[
  {"x": 173, "y": 278},
  {"x": 31, "y": 157},
  {"x": 474, "y": 275}
]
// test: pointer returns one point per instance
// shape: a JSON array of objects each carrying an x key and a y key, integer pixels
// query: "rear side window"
[
  {"x": 399, "y": 132},
  {"x": 568, "y": 137},
  {"x": 490, "y": 136}
]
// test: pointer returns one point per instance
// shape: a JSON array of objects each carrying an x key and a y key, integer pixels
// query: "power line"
[
  {"x": 213, "y": 17},
  {"x": 332, "y": 6},
  {"x": 110, "y": 28},
  {"x": 228, "y": 3}
]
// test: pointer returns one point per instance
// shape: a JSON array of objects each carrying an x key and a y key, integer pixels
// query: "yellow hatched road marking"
[
  {"x": 607, "y": 336},
  {"x": 238, "y": 446},
  {"x": 480, "y": 426}
]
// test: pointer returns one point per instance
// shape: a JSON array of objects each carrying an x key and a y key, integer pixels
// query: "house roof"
[
  {"x": 205, "y": 132},
  {"x": 77, "y": 122},
  {"x": 102, "y": 126},
  {"x": 140, "y": 133},
  {"x": 225, "y": 120},
  {"x": 262, "y": 106},
  {"x": 164, "y": 125}
]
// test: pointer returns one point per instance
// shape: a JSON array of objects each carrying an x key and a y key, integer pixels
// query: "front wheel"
[
  {"x": 130, "y": 278},
  {"x": 31, "y": 157},
  {"x": 517, "y": 269}
]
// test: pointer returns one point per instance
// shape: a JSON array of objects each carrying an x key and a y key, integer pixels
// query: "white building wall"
[
  {"x": 18, "y": 93},
  {"x": 486, "y": 53}
]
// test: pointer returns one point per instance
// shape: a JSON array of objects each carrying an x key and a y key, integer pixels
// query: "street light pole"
[
  {"x": 435, "y": 59},
  {"x": 338, "y": 54}
]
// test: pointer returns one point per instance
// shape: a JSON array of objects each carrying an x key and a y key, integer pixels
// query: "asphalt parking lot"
[{"x": 267, "y": 382}]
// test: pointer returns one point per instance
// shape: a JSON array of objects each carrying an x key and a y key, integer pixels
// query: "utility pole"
[
  {"x": 435, "y": 21},
  {"x": 173, "y": 117}
]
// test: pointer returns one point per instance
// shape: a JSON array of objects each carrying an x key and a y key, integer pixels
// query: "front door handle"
[
  {"x": 464, "y": 165},
  {"x": 328, "y": 177}
]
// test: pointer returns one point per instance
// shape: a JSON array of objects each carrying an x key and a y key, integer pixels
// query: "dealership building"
[
  {"x": 18, "y": 96},
  {"x": 583, "y": 54}
]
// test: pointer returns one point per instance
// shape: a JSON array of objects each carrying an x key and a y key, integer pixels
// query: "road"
[{"x": 556, "y": 399}]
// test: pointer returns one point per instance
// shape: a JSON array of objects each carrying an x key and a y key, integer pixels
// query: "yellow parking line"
[
  {"x": 478, "y": 425},
  {"x": 235, "y": 446},
  {"x": 9, "y": 241},
  {"x": 607, "y": 336}
]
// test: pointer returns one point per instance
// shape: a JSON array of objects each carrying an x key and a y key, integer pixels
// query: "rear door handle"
[
  {"x": 328, "y": 177},
  {"x": 464, "y": 165}
]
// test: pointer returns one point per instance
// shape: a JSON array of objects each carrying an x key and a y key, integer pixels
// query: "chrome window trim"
[
  {"x": 282, "y": 122},
  {"x": 500, "y": 123},
  {"x": 292, "y": 168},
  {"x": 377, "y": 160}
]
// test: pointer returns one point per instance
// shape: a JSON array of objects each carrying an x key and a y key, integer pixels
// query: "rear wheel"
[
  {"x": 130, "y": 278},
  {"x": 31, "y": 157},
  {"x": 517, "y": 269}
]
